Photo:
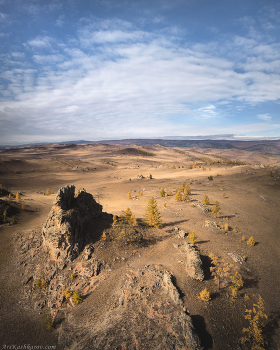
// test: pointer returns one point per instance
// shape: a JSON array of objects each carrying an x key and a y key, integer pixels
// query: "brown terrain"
[{"x": 136, "y": 296}]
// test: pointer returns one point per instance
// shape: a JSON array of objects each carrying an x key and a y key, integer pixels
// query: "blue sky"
[{"x": 113, "y": 69}]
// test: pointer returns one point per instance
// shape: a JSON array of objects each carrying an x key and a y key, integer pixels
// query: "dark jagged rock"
[{"x": 65, "y": 229}]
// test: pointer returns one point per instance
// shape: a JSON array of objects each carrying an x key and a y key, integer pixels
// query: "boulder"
[{"x": 66, "y": 226}]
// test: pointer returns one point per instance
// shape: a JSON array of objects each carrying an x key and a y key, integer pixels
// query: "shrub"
[
  {"x": 205, "y": 200},
  {"x": 129, "y": 195},
  {"x": 162, "y": 193},
  {"x": 151, "y": 176},
  {"x": 210, "y": 178},
  {"x": 253, "y": 334},
  {"x": 152, "y": 216},
  {"x": 192, "y": 237},
  {"x": 204, "y": 295},
  {"x": 77, "y": 297},
  {"x": 48, "y": 323},
  {"x": 73, "y": 276},
  {"x": 251, "y": 241}
]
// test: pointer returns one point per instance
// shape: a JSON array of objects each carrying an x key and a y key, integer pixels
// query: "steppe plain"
[{"x": 250, "y": 205}]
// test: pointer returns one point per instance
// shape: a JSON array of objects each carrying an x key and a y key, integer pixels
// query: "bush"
[
  {"x": 251, "y": 241},
  {"x": 204, "y": 295}
]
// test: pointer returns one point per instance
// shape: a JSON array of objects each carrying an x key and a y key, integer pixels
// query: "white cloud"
[
  {"x": 265, "y": 117},
  {"x": 40, "y": 42},
  {"x": 60, "y": 21},
  {"x": 136, "y": 83}
]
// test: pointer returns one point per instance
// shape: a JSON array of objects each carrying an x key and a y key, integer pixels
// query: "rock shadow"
[
  {"x": 200, "y": 329},
  {"x": 269, "y": 331},
  {"x": 206, "y": 262}
]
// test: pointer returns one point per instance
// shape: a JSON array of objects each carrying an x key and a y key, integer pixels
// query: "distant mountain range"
[{"x": 271, "y": 146}]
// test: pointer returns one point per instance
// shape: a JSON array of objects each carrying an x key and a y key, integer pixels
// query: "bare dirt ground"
[{"x": 250, "y": 206}]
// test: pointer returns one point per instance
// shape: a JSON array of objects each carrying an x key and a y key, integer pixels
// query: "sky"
[{"x": 116, "y": 69}]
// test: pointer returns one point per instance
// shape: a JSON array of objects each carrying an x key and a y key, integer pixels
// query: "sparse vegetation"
[{"x": 253, "y": 333}]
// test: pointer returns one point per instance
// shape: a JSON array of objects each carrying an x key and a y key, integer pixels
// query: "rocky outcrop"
[
  {"x": 66, "y": 226},
  {"x": 148, "y": 314},
  {"x": 194, "y": 265}
]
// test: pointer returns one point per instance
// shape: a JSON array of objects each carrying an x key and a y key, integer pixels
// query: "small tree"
[
  {"x": 17, "y": 195},
  {"x": 162, "y": 193},
  {"x": 236, "y": 284},
  {"x": 151, "y": 176},
  {"x": 140, "y": 194},
  {"x": 253, "y": 334},
  {"x": 188, "y": 189},
  {"x": 104, "y": 237},
  {"x": 220, "y": 270},
  {"x": 129, "y": 195},
  {"x": 224, "y": 195},
  {"x": 205, "y": 200},
  {"x": 192, "y": 237},
  {"x": 216, "y": 209},
  {"x": 115, "y": 223},
  {"x": 48, "y": 192},
  {"x": 178, "y": 196},
  {"x": 152, "y": 215}
]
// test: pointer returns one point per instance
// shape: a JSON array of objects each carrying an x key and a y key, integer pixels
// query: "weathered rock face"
[
  {"x": 194, "y": 265},
  {"x": 148, "y": 313},
  {"x": 65, "y": 229}
]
